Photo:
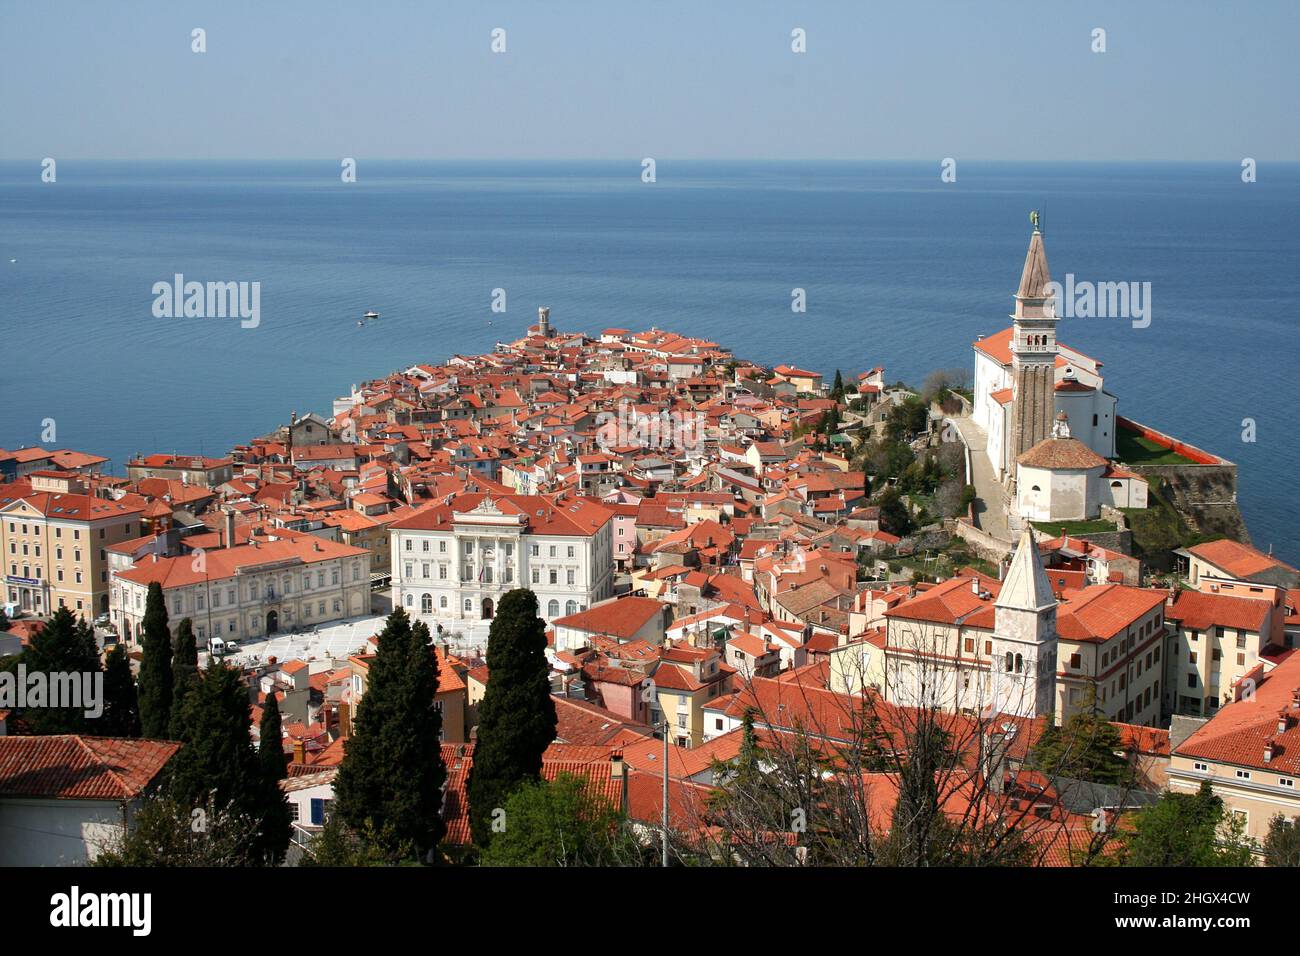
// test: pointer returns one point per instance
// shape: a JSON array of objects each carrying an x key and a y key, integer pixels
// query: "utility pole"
[{"x": 664, "y": 814}]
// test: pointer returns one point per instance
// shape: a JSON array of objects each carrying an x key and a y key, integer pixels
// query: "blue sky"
[{"x": 1003, "y": 79}]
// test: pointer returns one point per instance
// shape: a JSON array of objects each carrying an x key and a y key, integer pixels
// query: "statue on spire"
[{"x": 1034, "y": 218}]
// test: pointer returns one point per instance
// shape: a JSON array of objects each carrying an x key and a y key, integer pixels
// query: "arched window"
[
  {"x": 410, "y": 600},
  {"x": 1035, "y": 488},
  {"x": 553, "y": 609},
  {"x": 426, "y": 603},
  {"x": 1009, "y": 662},
  {"x": 571, "y": 607},
  {"x": 1020, "y": 664},
  {"x": 442, "y": 601}
]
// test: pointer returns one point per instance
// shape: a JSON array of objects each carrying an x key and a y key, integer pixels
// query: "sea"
[{"x": 897, "y": 268}]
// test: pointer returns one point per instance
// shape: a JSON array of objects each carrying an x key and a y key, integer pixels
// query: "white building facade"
[{"x": 457, "y": 564}]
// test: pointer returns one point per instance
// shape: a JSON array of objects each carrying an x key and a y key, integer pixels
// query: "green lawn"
[{"x": 1134, "y": 449}]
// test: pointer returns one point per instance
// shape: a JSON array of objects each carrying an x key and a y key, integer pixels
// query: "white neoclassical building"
[{"x": 455, "y": 560}]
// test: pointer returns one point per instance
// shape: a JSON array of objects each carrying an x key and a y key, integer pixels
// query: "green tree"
[
  {"x": 390, "y": 783},
  {"x": 517, "y": 715},
  {"x": 906, "y": 419},
  {"x": 561, "y": 823},
  {"x": 218, "y": 765},
  {"x": 1186, "y": 829},
  {"x": 1085, "y": 747},
  {"x": 837, "y": 390},
  {"x": 830, "y": 423},
  {"x": 1282, "y": 845},
  {"x": 337, "y": 844},
  {"x": 894, "y": 516},
  {"x": 155, "y": 667},
  {"x": 185, "y": 672},
  {"x": 270, "y": 746},
  {"x": 169, "y": 832},
  {"x": 65, "y": 645},
  {"x": 121, "y": 717}
]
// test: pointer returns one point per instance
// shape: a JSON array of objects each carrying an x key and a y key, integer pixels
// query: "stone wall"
[
  {"x": 981, "y": 543},
  {"x": 1121, "y": 541},
  {"x": 1204, "y": 495}
]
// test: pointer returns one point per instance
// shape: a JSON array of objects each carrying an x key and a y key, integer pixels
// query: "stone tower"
[
  {"x": 1033, "y": 353},
  {"x": 544, "y": 322},
  {"x": 1024, "y": 636}
]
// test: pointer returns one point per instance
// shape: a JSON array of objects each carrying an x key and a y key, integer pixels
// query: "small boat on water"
[{"x": 370, "y": 316}]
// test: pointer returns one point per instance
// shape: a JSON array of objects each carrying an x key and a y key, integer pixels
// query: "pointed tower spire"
[
  {"x": 1033, "y": 295},
  {"x": 1026, "y": 587}
]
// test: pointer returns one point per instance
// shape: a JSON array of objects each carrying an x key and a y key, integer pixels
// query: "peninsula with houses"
[{"x": 706, "y": 539}]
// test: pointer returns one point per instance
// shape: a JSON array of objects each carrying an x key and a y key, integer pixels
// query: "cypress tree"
[
  {"x": 270, "y": 746},
  {"x": 64, "y": 646},
  {"x": 156, "y": 667},
  {"x": 121, "y": 717},
  {"x": 218, "y": 762},
  {"x": 517, "y": 716},
  {"x": 390, "y": 782},
  {"x": 185, "y": 673}
]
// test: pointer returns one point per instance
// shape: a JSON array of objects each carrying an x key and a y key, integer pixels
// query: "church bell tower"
[{"x": 1033, "y": 351}]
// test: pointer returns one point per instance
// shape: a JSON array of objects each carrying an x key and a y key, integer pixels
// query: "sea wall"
[{"x": 1202, "y": 490}]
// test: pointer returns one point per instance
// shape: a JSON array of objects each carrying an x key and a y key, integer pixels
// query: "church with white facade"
[{"x": 1049, "y": 421}]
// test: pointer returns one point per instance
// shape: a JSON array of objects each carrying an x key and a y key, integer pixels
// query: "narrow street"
[{"x": 989, "y": 516}]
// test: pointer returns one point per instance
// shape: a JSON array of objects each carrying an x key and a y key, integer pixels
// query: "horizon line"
[{"x": 635, "y": 159}]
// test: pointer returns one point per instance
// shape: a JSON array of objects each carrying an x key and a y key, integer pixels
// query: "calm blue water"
[{"x": 900, "y": 270}]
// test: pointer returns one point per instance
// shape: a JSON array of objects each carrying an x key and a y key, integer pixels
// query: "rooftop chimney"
[
  {"x": 1268, "y": 750},
  {"x": 230, "y": 527}
]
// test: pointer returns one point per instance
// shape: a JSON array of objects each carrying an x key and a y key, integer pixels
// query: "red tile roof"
[
  {"x": 619, "y": 618},
  {"x": 1201, "y": 611},
  {"x": 1237, "y": 734},
  {"x": 1240, "y": 560},
  {"x": 73, "y": 767}
]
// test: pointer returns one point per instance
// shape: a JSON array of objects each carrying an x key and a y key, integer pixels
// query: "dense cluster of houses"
[{"x": 697, "y": 550}]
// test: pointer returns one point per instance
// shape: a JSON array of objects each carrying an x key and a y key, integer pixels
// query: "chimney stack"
[
  {"x": 230, "y": 527},
  {"x": 1268, "y": 750},
  {"x": 996, "y": 743},
  {"x": 299, "y": 751}
]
